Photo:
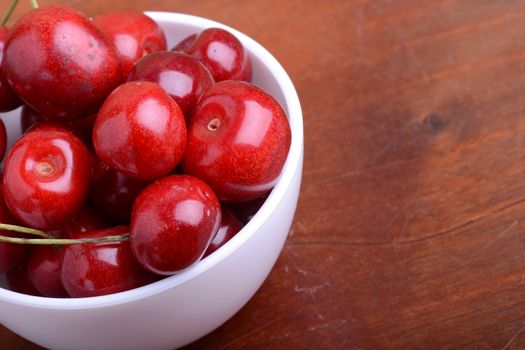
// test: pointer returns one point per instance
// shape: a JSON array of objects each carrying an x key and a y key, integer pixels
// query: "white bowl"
[{"x": 182, "y": 308}]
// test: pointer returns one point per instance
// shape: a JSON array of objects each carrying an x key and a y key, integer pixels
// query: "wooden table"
[{"x": 410, "y": 230}]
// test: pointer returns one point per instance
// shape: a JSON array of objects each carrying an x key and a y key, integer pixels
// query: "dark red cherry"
[
  {"x": 181, "y": 76},
  {"x": 113, "y": 193},
  {"x": 59, "y": 63},
  {"x": 134, "y": 35},
  {"x": 238, "y": 141},
  {"x": 172, "y": 223},
  {"x": 46, "y": 177},
  {"x": 44, "y": 271},
  {"x": 140, "y": 131},
  {"x": 86, "y": 221},
  {"x": 18, "y": 280},
  {"x": 245, "y": 211},
  {"x": 223, "y": 54},
  {"x": 82, "y": 127},
  {"x": 90, "y": 270},
  {"x": 229, "y": 227},
  {"x": 3, "y": 139},
  {"x": 8, "y": 99},
  {"x": 11, "y": 255},
  {"x": 185, "y": 44}
]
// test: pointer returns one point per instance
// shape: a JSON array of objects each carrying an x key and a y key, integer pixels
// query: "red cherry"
[
  {"x": 181, "y": 76},
  {"x": 246, "y": 210},
  {"x": 46, "y": 177},
  {"x": 18, "y": 280},
  {"x": 3, "y": 139},
  {"x": 113, "y": 193},
  {"x": 82, "y": 127},
  {"x": 238, "y": 140},
  {"x": 43, "y": 268},
  {"x": 185, "y": 44},
  {"x": 59, "y": 63},
  {"x": 98, "y": 269},
  {"x": 229, "y": 227},
  {"x": 172, "y": 223},
  {"x": 223, "y": 54},
  {"x": 11, "y": 255},
  {"x": 134, "y": 35},
  {"x": 140, "y": 131},
  {"x": 86, "y": 221},
  {"x": 8, "y": 99}
]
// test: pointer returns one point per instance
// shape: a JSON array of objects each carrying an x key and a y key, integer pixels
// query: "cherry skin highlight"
[
  {"x": 90, "y": 270},
  {"x": 59, "y": 63},
  {"x": 46, "y": 177},
  {"x": 9, "y": 100},
  {"x": 229, "y": 227},
  {"x": 134, "y": 35},
  {"x": 181, "y": 76},
  {"x": 43, "y": 268},
  {"x": 238, "y": 141},
  {"x": 113, "y": 193},
  {"x": 140, "y": 131},
  {"x": 172, "y": 223},
  {"x": 223, "y": 54}
]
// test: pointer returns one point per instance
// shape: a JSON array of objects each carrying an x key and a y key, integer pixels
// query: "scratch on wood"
[{"x": 511, "y": 340}]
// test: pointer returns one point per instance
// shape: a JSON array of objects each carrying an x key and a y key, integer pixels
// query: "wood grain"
[{"x": 409, "y": 231}]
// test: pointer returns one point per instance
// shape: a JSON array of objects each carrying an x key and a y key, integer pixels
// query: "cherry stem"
[
  {"x": 34, "y": 4},
  {"x": 9, "y": 12},
  {"x": 23, "y": 229},
  {"x": 59, "y": 241}
]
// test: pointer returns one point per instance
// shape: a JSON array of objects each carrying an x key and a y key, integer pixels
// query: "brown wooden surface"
[{"x": 410, "y": 227}]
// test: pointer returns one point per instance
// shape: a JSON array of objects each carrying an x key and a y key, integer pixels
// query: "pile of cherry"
[{"x": 135, "y": 161}]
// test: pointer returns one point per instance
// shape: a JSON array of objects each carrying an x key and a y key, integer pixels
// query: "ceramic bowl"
[{"x": 182, "y": 308}]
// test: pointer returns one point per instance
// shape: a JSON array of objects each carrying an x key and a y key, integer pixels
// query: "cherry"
[
  {"x": 113, "y": 193},
  {"x": 185, "y": 44},
  {"x": 11, "y": 255},
  {"x": 18, "y": 280},
  {"x": 183, "y": 77},
  {"x": 86, "y": 221},
  {"x": 238, "y": 141},
  {"x": 222, "y": 53},
  {"x": 8, "y": 99},
  {"x": 229, "y": 227},
  {"x": 246, "y": 210},
  {"x": 134, "y": 35},
  {"x": 172, "y": 223},
  {"x": 98, "y": 269},
  {"x": 46, "y": 177},
  {"x": 140, "y": 131},
  {"x": 43, "y": 268},
  {"x": 59, "y": 63},
  {"x": 83, "y": 127},
  {"x": 3, "y": 139}
]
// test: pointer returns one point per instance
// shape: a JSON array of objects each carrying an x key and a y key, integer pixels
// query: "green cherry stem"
[
  {"x": 22, "y": 229},
  {"x": 34, "y": 4},
  {"x": 53, "y": 241},
  {"x": 9, "y": 12}
]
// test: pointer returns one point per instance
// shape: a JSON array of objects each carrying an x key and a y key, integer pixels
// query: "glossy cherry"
[
  {"x": 11, "y": 255},
  {"x": 245, "y": 211},
  {"x": 229, "y": 227},
  {"x": 181, "y": 76},
  {"x": 172, "y": 223},
  {"x": 86, "y": 221},
  {"x": 59, "y": 63},
  {"x": 82, "y": 127},
  {"x": 46, "y": 177},
  {"x": 44, "y": 270},
  {"x": 185, "y": 44},
  {"x": 9, "y": 100},
  {"x": 140, "y": 131},
  {"x": 223, "y": 54},
  {"x": 238, "y": 141},
  {"x": 18, "y": 280},
  {"x": 134, "y": 35},
  {"x": 113, "y": 193},
  {"x": 98, "y": 269}
]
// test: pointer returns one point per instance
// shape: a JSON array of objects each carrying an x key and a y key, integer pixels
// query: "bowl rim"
[{"x": 292, "y": 165}]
